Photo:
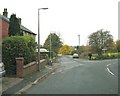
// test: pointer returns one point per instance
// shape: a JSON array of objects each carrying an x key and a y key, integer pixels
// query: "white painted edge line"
[{"x": 109, "y": 70}]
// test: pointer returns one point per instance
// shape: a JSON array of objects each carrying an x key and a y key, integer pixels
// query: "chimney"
[
  {"x": 5, "y": 13},
  {"x": 19, "y": 19}
]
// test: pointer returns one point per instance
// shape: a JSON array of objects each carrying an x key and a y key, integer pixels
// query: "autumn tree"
[
  {"x": 66, "y": 50},
  {"x": 100, "y": 40},
  {"x": 14, "y": 26}
]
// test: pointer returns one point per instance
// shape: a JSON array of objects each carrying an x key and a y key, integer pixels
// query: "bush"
[
  {"x": 17, "y": 46},
  {"x": 106, "y": 56}
]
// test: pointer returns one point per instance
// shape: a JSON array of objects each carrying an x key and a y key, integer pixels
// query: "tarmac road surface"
[{"x": 77, "y": 76}]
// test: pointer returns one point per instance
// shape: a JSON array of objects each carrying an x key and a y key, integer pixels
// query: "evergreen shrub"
[{"x": 17, "y": 46}]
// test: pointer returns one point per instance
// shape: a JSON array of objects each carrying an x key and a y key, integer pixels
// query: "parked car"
[
  {"x": 75, "y": 55},
  {"x": 2, "y": 70}
]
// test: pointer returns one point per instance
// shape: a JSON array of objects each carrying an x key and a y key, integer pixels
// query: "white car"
[
  {"x": 75, "y": 55},
  {"x": 2, "y": 70}
]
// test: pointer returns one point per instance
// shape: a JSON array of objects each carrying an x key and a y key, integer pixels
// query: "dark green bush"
[{"x": 17, "y": 46}]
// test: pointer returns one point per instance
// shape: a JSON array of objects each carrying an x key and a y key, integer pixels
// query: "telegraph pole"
[{"x": 79, "y": 40}]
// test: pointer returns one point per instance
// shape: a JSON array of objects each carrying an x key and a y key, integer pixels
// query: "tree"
[
  {"x": 83, "y": 49},
  {"x": 80, "y": 49},
  {"x": 55, "y": 42},
  {"x": 14, "y": 26},
  {"x": 113, "y": 48},
  {"x": 118, "y": 45},
  {"x": 100, "y": 40},
  {"x": 66, "y": 50}
]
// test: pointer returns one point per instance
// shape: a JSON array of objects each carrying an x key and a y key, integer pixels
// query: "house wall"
[{"x": 4, "y": 28}]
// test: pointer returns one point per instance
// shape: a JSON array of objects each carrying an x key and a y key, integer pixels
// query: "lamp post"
[{"x": 39, "y": 36}]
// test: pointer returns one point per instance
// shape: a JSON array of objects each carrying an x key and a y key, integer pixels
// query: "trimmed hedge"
[{"x": 17, "y": 46}]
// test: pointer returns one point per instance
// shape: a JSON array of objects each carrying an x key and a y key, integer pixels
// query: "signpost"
[{"x": 104, "y": 49}]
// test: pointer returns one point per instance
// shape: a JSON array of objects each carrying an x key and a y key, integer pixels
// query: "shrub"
[
  {"x": 17, "y": 46},
  {"x": 107, "y": 56}
]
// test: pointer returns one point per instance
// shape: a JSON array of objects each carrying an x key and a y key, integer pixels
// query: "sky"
[{"x": 68, "y": 18}]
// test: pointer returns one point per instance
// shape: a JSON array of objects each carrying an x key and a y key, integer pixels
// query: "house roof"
[
  {"x": 21, "y": 26},
  {"x": 25, "y": 29},
  {"x": 4, "y": 18}
]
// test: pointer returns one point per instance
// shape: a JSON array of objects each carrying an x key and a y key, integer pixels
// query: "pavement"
[{"x": 12, "y": 85}]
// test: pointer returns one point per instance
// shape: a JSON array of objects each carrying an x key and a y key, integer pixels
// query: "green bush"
[
  {"x": 17, "y": 46},
  {"x": 106, "y": 56}
]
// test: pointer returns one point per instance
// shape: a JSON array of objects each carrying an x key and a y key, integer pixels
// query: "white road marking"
[
  {"x": 109, "y": 70},
  {"x": 108, "y": 65}
]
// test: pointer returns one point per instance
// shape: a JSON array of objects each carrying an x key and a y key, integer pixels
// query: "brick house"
[{"x": 4, "y": 26}]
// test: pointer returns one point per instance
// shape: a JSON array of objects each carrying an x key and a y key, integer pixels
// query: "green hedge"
[
  {"x": 106, "y": 56},
  {"x": 17, "y": 46}
]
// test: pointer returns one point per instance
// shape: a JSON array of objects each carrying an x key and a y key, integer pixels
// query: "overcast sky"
[{"x": 66, "y": 17}]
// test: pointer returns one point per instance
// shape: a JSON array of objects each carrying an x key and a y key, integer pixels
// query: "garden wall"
[{"x": 23, "y": 70}]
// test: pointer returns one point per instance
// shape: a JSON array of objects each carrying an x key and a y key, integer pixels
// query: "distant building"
[
  {"x": 4, "y": 25},
  {"x": 42, "y": 50}
]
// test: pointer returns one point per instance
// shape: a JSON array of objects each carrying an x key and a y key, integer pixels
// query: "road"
[{"x": 77, "y": 76}]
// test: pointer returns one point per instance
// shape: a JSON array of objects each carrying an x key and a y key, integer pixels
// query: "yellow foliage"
[
  {"x": 109, "y": 54},
  {"x": 65, "y": 50}
]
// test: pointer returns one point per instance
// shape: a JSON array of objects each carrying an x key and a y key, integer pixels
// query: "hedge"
[
  {"x": 106, "y": 56},
  {"x": 17, "y": 46}
]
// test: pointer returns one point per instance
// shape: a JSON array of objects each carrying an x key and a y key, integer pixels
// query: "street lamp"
[{"x": 39, "y": 37}]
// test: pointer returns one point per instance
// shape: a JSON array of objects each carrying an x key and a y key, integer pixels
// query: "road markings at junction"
[{"x": 109, "y": 70}]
